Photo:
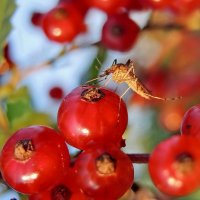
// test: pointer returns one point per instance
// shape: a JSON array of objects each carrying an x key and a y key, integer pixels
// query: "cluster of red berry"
[
  {"x": 65, "y": 21},
  {"x": 174, "y": 163},
  {"x": 35, "y": 160}
]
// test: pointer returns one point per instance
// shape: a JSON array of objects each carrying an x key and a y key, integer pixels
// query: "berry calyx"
[
  {"x": 184, "y": 163},
  {"x": 24, "y": 149},
  {"x": 60, "y": 192},
  {"x": 105, "y": 164},
  {"x": 92, "y": 94}
]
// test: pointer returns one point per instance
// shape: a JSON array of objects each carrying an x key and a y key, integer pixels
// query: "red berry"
[
  {"x": 155, "y": 4},
  {"x": 174, "y": 165},
  {"x": 63, "y": 23},
  {"x": 136, "y": 5},
  {"x": 62, "y": 189},
  {"x": 108, "y": 6},
  {"x": 80, "y": 196},
  {"x": 190, "y": 122},
  {"x": 119, "y": 32},
  {"x": 59, "y": 192},
  {"x": 56, "y": 93},
  {"x": 36, "y": 18},
  {"x": 88, "y": 115},
  {"x": 33, "y": 159},
  {"x": 104, "y": 172}
]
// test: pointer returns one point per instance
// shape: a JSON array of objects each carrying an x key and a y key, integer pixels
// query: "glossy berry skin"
[
  {"x": 80, "y": 196},
  {"x": 83, "y": 122},
  {"x": 63, "y": 23},
  {"x": 109, "y": 185},
  {"x": 119, "y": 32},
  {"x": 52, "y": 194},
  {"x": 47, "y": 162},
  {"x": 190, "y": 123},
  {"x": 62, "y": 189},
  {"x": 174, "y": 165},
  {"x": 155, "y": 4},
  {"x": 108, "y": 6}
]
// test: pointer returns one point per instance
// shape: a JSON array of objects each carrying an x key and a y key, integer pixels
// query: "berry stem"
[{"x": 139, "y": 158}]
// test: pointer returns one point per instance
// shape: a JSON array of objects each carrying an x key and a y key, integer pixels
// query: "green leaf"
[
  {"x": 20, "y": 112},
  {"x": 18, "y": 104},
  {"x": 16, "y": 108},
  {"x": 30, "y": 119},
  {"x": 93, "y": 70},
  {"x": 7, "y": 8}
]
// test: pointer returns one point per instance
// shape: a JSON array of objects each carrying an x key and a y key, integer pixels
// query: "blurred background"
[{"x": 39, "y": 67}]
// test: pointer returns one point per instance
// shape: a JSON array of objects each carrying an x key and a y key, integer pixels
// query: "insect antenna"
[
  {"x": 128, "y": 62},
  {"x": 114, "y": 62}
]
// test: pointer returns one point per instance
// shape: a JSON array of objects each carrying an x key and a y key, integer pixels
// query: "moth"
[{"x": 125, "y": 73}]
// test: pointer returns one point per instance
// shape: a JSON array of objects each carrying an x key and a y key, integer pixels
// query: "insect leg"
[
  {"x": 125, "y": 92},
  {"x": 119, "y": 107},
  {"x": 92, "y": 80},
  {"x": 131, "y": 67}
]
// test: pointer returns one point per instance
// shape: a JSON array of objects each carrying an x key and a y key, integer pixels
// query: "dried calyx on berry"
[
  {"x": 92, "y": 94},
  {"x": 24, "y": 149}
]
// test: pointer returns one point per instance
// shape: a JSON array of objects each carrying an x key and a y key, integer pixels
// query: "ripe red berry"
[
  {"x": 88, "y": 115},
  {"x": 104, "y": 172},
  {"x": 190, "y": 122},
  {"x": 59, "y": 192},
  {"x": 80, "y": 196},
  {"x": 63, "y": 23},
  {"x": 108, "y": 6},
  {"x": 56, "y": 93},
  {"x": 119, "y": 32},
  {"x": 36, "y": 18},
  {"x": 174, "y": 165},
  {"x": 155, "y": 4},
  {"x": 33, "y": 159}
]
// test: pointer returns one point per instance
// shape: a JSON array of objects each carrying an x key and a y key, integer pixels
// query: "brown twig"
[{"x": 140, "y": 158}]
